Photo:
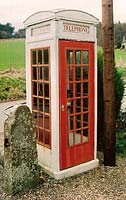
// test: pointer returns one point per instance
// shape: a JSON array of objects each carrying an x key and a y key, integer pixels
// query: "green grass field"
[
  {"x": 12, "y": 65},
  {"x": 12, "y": 54},
  {"x": 120, "y": 58}
]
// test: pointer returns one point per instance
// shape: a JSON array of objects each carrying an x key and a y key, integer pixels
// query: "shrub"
[{"x": 119, "y": 91}]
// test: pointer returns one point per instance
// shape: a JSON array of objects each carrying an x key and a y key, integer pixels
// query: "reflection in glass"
[
  {"x": 46, "y": 106},
  {"x": 35, "y": 117},
  {"x": 69, "y": 57},
  {"x": 41, "y": 105},
  {"x": 40, "y": 116},
  {"x": 78, "y": 105},
  {"x": 40, "y": 76},
  {"x": 71, "y": 139},
  {"x": 78, "y": 121},
  {"x": 34, "y": 73},
  {"x": 34, "y": 103},
  {"x": 78, "y": 89},
  {"x": 46, "y": 121},
  {"x": 46, "y": 56},
  {"x": 69, "y": 90},
  {"x": 78, "y": 137},
  {"x": 78, "y": 57},
  {"x": 85, "y": 104},
  {"x": 34, "y": 57},
  {"x": 78, "y": 73},
  {"x": 85, "y": 73},
  {"x": 39, "y": 57},
  {"x": 70, "y": 122},
  {"x": 34, "y": 88},
  {"x": 85, "y": 89},
  {"x": 46, "y": 90},
  {"x": 85, "y": 57},
  {"x": 70, "y": 107},
  {"x": 41, "y": 135},
  {"x": 46, "y": 137},
  {"x": 85, "y": 135},
  {"x": 69, "y": 73},
  {"x": 85, "y": 120},
  {"x": 40, "y": 89},
  {"x": 46, "y": 73}
]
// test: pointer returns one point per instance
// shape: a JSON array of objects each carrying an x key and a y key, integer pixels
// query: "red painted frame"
[
  {"x": 84, "y": 152},
  {"x": 49, "y": 146}
]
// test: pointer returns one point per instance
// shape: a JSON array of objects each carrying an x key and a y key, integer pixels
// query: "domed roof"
[{"x": 57, "y": 14}]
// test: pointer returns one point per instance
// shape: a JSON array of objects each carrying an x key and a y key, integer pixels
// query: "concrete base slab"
[{"x": 84, "y": 167}]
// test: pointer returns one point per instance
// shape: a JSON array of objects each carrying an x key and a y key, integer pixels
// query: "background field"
[
  {"x": 12, "y": 54},
  {"x": 12, "y": 68},
  {"x": 120, "y": 58}
]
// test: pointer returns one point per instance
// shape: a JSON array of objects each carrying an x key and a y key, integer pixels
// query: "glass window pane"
[
  {"x": 85, "y": 135},
  {"x": 34, "y": 57},
  {"x": 46, "y": 90},
  {"x": 85, "y": 104},
  {"x": 78, "y": 105},
  {"x": 47, "y": 137},
  {"x": 69, "y": 90},
  {"x": 78, "y": 121},
  {"x": 35, "y": 117},
  {"x": 85, "y": 120},
  {"x": 70, "y": 107},
  {"x": 85, "y": 73},
  {"x": 34, "y": 103},
  {"x": 40, "y": 116},
  {"x": 39, "y": 57},
  {"x": 85, "y": 89},
  {"x": 41, "y": 135},
  {"x": 46, "y": 106},
  {"x": 46, "y": 56},
  {"x": 85, "y": 57},
  {"x": 34, "y": 73},
  {"x": 78, "y": 89},
  {"x": 78, "y": 73},
  {"x": 70, "y": 122},
  {"x": 69, "y": 57},
  {"x": 46, "y": 122},
  {"x": 69, "y": 73},
  {"x": 71, "y": 139},
  {"x": 41, "y": 105},
  {"x": 46, "y": 73},
  {"x": 78, "y": 57},
  {"x": 40, "y": 73},
  {"x": 40, "y": 89},
  {"x": 78, "y": 137},
  {"x": 34, "y": 88}
]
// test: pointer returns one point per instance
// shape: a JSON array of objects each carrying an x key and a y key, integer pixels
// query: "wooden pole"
[{"x": 108, "y": 83}]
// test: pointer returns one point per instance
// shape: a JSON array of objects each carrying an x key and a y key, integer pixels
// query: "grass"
[
  {"x": 12, "y": 54},
  {"x": 12, "y": 64},
  {"x": 12, "y": 85},
  {"x": 120, "y": 58},
  {"x": 121, "y": 143}
]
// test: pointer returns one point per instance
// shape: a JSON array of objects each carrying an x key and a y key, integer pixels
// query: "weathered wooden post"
[{"x": 20, "y": 151}]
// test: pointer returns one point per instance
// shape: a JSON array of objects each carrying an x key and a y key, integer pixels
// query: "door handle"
[{"x": 62, "y": 108}]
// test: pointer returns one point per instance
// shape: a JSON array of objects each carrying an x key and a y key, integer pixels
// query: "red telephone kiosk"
[{"x": 62, "y": 89}]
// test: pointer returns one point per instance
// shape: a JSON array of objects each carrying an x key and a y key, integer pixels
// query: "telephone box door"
[{"x": 76, "y": 63}]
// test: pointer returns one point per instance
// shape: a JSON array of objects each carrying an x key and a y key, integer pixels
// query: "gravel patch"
[{"x": 103, "y": 183}]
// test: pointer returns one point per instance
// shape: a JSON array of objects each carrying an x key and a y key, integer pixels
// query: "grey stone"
[{"x": 20, "y": 151}]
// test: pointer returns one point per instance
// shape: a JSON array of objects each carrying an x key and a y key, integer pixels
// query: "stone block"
[{"x": 20, "y": 151}]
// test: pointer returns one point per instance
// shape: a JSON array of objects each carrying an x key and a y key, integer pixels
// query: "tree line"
[
  {"x": 7, "y": 31},
  {"x": 119, "y": 33}
]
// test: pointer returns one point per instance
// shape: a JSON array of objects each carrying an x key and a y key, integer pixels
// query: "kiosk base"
[{"x": 84, "y": 167}]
